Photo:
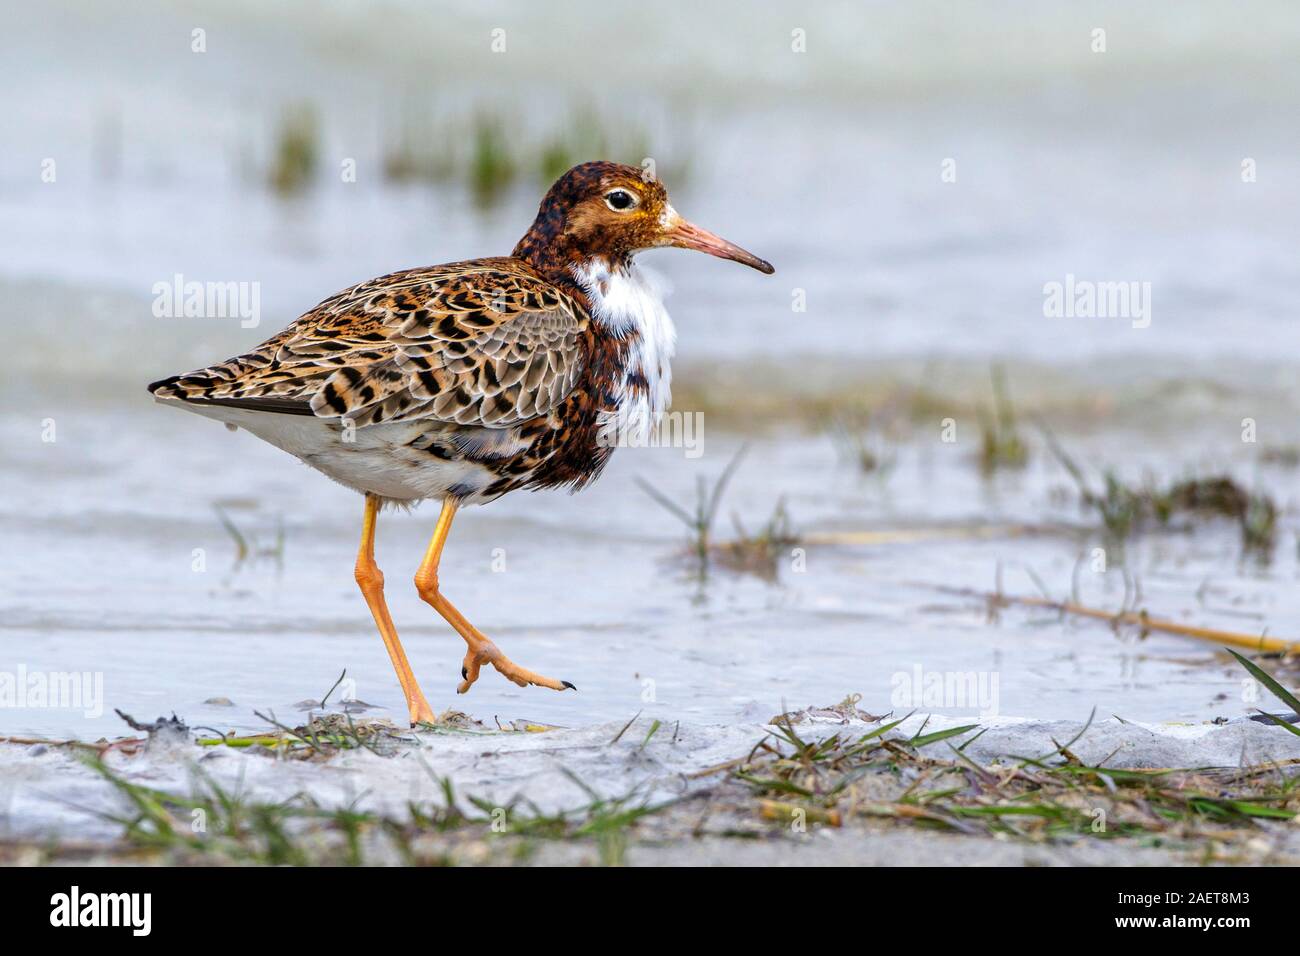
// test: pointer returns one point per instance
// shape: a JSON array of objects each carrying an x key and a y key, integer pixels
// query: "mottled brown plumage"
[
  {"x": 505, "y": 344},
  {"x": 464, "y": 381},
  {"x": 486, "y": 344}
]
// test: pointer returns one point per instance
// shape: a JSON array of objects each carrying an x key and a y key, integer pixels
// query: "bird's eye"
[{"x": 620, "y": 200}]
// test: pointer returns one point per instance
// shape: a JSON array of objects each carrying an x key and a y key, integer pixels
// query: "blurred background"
[{"x": 916, "y": 172}]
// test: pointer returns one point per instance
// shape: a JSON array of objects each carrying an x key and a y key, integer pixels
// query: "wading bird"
[{"x": 464, "y": 381}]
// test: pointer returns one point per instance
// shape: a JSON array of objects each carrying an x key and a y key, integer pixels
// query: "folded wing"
[{"x": 487, "y": 343}]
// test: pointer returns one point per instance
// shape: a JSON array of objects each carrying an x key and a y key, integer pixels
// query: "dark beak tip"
[{"x": 766, "y": 268}]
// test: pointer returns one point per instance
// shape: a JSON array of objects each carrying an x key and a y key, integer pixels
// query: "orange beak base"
[{"x": 686, "y": 235}]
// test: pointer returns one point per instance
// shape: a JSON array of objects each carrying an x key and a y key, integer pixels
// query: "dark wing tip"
[{"x": 164, "y": 386}]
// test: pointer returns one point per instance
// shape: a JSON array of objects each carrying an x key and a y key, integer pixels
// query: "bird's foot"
[
  {"x": 421, "y": 713},
  {"x": 489, "y": 653}
]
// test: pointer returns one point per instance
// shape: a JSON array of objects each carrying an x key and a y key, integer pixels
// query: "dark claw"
[
  {"x": 568, "y": 685},
  {"x": 464, "y": 674}
]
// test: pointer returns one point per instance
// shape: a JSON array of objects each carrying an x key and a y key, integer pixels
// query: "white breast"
[{"x": 629, "y": 304}]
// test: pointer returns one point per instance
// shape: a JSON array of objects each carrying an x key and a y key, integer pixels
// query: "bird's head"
[{"x": 612, "y": 211}]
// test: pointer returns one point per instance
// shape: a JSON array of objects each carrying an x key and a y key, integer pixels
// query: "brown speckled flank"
[
  {"x": 462, "y": 382},
  {"x": 482, "y": 344}
]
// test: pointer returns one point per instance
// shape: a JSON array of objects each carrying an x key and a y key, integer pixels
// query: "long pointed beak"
[{"x": 687, "y": 235}]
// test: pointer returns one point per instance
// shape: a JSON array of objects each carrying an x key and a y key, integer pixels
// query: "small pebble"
[
  {"x": 35, "y": 750},
  {"x": 220, "y": 702}
]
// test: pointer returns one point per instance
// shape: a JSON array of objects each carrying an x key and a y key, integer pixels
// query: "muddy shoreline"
[{"x": 821, "y": 786}]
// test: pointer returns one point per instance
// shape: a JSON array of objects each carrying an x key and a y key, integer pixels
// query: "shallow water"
[
  {"x": 588, "y": 588},
  {"x": 1125, "y": 169}
]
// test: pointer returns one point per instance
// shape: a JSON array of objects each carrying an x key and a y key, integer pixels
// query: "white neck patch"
[{"x": 629, "y": 303}]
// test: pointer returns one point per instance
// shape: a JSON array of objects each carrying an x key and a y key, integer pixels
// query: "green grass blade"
[
  {"x": 1276, "y": 689},
  {"x": 940, "y": 735}
]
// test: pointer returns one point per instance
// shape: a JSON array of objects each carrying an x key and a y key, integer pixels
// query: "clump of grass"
[
  {"x": 1255, "y": 512},
  {"x": 843, "y": 778},
  {"x": 248, "y": 546},
  {"x": 1000, "y": 443},
  {"x": 299, "y": 832},
  {"x": 757, "y": 553},
  {"x": 296, "y": 153},
  {"x": 607, "y": 820},
  {"x": 420, "y": 154},
  {"x": 1259, "y": 525},
  {"x": 699, "y": 519},
  {"x": 861, "y": 443},
  {"x": 1126, "y": 509},
  {"x": 323, "y": 735},
  {"x": 233, "y": 828},
  {"x": 490, "y": 153},
  {"x": 492, "y": 166},
  {"x": 1281, "y": 456}
]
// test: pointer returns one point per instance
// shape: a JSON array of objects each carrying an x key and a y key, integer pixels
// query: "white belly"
[{"x": 377, "y": 460}]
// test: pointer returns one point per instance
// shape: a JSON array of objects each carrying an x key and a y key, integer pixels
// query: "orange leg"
[
  {"x": 371, "y": 580},
  {"x": 481, "y": 650}
]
